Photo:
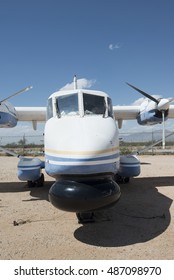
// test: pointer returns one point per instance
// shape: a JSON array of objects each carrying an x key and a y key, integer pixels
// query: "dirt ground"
[{"x": 140, "y": 226}]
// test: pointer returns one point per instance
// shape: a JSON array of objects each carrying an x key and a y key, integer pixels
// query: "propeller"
[
  {"x": 162, "y": 106},
  {"x": 144, "y": 93},
  {"x": 16, "y": 93}
]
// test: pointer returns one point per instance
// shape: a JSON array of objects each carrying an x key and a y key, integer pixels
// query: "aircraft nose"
[{"x": 82, "y": 147}]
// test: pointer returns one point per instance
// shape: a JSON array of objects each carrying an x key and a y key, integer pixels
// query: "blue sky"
[{"x": 45, "y": 42}]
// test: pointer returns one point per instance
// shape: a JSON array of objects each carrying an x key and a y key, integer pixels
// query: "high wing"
[
  {"x": 145, "y": 114},
  {"x": 33, "y": 114},
  {"x": 125, "y": 113},
  {"x": 171, "y": 111},
  {"x": 121, "y": 113}
]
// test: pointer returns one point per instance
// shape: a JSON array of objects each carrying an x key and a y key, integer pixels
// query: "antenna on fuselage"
[{"x": 75, "y": 82}]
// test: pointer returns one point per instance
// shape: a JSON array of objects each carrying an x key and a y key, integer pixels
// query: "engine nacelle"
[
  {"x": 151, "y": 117},
  {"x": 8, "y": 116}
]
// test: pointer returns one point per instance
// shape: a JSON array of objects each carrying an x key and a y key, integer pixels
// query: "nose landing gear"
[{"x": 85, "y": 217}]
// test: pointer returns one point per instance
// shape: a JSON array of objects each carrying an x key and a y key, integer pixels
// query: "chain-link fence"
[
  {"x": 22, "y": 145},
  {"x": 146, "y": 142}
]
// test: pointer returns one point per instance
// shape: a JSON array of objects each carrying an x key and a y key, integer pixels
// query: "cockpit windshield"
[
  {"x": 94, "y": 104},
  {"x": 67, "y": 105},
  {"x": 81, "y": 104}
]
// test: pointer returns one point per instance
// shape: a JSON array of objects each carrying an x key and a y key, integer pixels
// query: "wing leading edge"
[
  {"x": 121, "y": 113},
  {"x": 171, "y": 111},
  {"x": 31, "y": 114},
  {"x": 125, "y": 113}
]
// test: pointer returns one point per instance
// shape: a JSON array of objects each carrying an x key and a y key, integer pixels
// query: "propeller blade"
[
  {"x": 16, "y": 93},
  {"x": 144, "y": 93}
]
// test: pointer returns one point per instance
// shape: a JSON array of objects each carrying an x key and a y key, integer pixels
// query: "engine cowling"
[
  {"x": 152, "y": 117},
  {"x": 8, "y": 116}
]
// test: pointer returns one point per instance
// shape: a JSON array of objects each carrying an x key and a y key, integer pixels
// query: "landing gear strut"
[
  {"x": 36, "y": 184},
  {"x": 85, "y": 217},
  {"x": 121, "y": 180}
]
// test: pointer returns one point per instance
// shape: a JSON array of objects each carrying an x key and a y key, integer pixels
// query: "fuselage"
[
  {"x": 81, "y": 150},
  {"x": 81, "y": 136}
]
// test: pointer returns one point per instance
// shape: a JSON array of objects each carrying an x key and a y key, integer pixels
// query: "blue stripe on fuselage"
[
  {"x": 56, "y": 169},
  {"x": 64, "y": 159}
]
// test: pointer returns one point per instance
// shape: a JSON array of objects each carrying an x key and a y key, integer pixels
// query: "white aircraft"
[{"x": 81, "y": 141}]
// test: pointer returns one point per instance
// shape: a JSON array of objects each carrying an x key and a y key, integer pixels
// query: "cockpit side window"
[
  {"x": 49, "y": 109},
  {"x": 110, "y": 108},
  {"x": 67, "y": 105},
  {"x": 94, "y": 104}
]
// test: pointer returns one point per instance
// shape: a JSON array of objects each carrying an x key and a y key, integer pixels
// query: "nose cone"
[
  {"x": 81, "y": 146},
  {"x": 80, "y": 134}
]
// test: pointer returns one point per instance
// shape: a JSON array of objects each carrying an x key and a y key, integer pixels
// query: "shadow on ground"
[
  {"x": 141, "y": 214},
  {"x": 40, "y": 193}
]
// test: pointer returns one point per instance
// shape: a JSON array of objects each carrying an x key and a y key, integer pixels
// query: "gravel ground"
[{"x": 139, "y": 226}]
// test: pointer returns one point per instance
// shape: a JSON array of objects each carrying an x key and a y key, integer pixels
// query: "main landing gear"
[
  {"x": 38, "y": 183},
  {"x": 121, "y": 180}
]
